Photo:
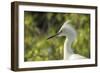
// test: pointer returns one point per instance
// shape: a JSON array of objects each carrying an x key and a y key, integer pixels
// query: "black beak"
[{"x": 53, "y": 35}]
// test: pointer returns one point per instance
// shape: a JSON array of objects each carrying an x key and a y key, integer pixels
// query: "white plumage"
[
  {"x": 76, "y": 56},
  {"x": 70, "y": 33}
]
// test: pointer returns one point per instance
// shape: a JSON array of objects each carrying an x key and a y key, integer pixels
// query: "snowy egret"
[{"x": 69, "y": 32}]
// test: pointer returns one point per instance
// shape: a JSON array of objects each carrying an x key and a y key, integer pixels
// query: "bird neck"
[{"x": 67, "y": 48}]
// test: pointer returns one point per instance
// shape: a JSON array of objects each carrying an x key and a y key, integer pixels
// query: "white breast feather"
[{"x": 76, "y": 56}]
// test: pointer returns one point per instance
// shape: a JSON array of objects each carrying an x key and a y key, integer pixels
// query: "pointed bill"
[{"x": 53, "y": 35}]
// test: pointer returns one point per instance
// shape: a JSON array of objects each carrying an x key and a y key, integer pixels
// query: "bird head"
[{"x": 66, "y": 30}]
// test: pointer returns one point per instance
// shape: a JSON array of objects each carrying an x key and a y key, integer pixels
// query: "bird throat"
[{"x": 67, "y": 48}]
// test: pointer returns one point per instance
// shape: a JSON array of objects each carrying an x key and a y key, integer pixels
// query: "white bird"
[{"x": 69, "y": 32}]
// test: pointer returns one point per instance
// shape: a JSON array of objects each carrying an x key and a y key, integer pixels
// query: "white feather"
[
  {"x": 76, "y": 56},
  {"x": 70, "y": 33}
]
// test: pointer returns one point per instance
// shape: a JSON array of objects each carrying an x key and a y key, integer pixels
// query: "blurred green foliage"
[{"x": 40, "y": 25}]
